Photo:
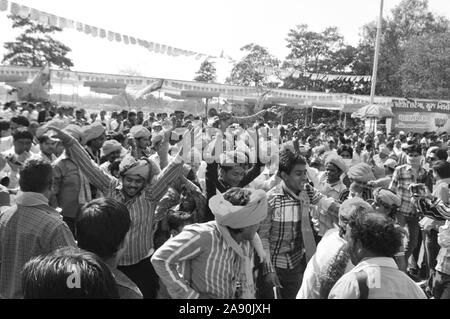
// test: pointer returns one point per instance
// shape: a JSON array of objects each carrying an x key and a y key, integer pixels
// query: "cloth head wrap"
[
  {"x": 361, "y": 172},
  {"x": 336, "y": 160},
  {"x": 158, "y": 137},
  {"x": 93, "y": 131},
  {"x": 386, "y": 196},
  {"x": 130, "y": 166},
  {"x": 140, "y": 131},
  {"x": 390, "y": 163},
  {"x": 76, "y": 132},
  {"x": 239, "y": 216},
  {"x": 353, "y": 205},
  {"x": 111, "y": 146}
]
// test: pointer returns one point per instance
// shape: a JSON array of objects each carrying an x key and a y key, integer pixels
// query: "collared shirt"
[
  {"x": 281, "y": 231},
  {"x": 327, "y": 249},
  {"x": 139, "y": 240},
  {"x": 384, "y": 280},
  {"x": 334, "y": 191},
  {"x": 207, "y": 264},
  {"x": 28, "y": 229},
  {"x": 443, "y": 258},
  {"x": 401, "y": 179},
  {"x": 127, "y": 289}
]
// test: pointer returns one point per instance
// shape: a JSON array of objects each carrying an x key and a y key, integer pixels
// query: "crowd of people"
[{"x": 134, "y": 205}]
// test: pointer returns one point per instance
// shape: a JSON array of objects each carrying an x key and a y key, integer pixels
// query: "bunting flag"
[{"x": 64, "y": 23}]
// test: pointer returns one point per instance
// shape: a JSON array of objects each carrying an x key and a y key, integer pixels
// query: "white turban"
[
  {"x": 386, "y": 196},
  {"x": 336, "y": 160},
  {"x": 361, "y": 172},
  {"x": 140, "y": 131},
  {"x": 353, "y": 205},
  {"x": 93, "y": 131},
  {"x": 130, "y": 166},
  {"x": 76, "y": 132},
  {"x": 239, "y": 216},
  {"x": 111, "y": 146}
]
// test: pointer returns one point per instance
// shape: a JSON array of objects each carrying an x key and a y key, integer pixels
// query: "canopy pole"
[{"x": 377, "y": 51}]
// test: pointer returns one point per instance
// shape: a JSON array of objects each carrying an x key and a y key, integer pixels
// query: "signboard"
[{"x": 421, "y": 116}]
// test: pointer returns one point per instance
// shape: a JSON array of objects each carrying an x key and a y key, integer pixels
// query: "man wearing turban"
[
  {"x": 331, "y": 185},
  {"x": 141, "y": 136},
  {"x": 111, "y": 151},
  {"x": 95, "y": 136},
  {"x": 140, "y": 187},
  {"x": 216, "y": 256},
  {"x": 360, "y": 174}
]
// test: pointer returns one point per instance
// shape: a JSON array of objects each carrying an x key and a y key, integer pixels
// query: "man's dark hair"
[
  {"x": 22, "y": 134},
  {"x": 345, "y": 148},
  {"x": 442, "y": 169},
  {"x": 4, "y": 125},
  {"x": 288, "y": 160},
  {"x": 176, "y": 219},
  {"x": 130, "y": 114},
  {"x": 440, "y": 154},
  {"x": 20, "y": 120},
  {"x": 377, "y": 233},
  {"x": 102, "y": 226},
  {"x": 43, "y": 139},
  {"x": 35, "y": 176},
  {"x": 413, "y": 148},
  {"x": 119, "y": 137},
  {"x": 48, "y": 276}
]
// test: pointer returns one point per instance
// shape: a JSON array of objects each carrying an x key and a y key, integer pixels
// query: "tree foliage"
[
  {"x": 207, "y": 72},
  {"x": 248, "y": 72},
  {"x": 35, "y": 47}
]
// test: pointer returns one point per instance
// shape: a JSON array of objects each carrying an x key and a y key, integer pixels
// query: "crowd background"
[{"x": 121, "y": 192}]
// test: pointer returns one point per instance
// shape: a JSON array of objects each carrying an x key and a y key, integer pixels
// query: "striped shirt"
[
  {"x": 27, "y": 230},
  {"x": 207, "y": 264},
  {"x": 281, "y": 233},
  {"x": 139, "y": 240},
  {"x": 402, "y": 178}
]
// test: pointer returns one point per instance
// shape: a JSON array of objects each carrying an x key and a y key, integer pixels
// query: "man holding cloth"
[{"x": 214, "y": 258}]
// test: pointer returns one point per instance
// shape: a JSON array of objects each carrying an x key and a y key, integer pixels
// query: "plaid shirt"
[
  {"x": 280, "y": 232},
  {"x": 402, "y": 178},
  {"x": 27, "y": 230}
]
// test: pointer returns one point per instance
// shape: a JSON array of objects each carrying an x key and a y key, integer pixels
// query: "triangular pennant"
[
  {"x": 125, "y": 39},
  {"x": 94, "y": 31},
  {"x": 87, "y": 29},
  {"x": 163, "y": 49},
  {"x": 79, "y": 26},
  {"x": 151, "y": 45},
  {"x": 34, "y": 15},
  {"x": 53, "y": 20},
  {"x": 70, "y": 24},
  {"x": 24, "y": 12},
  {"x": 118, "y": 37},
  {"x": 110, "y": 36},
  {"x": 43, "y": 18},
  {"x": 132, "y": 40},
  {"x": 102, "y": 33},
  {"x": 62, "y": 23},
  {"x": 157, "y": 47},
  {"x": 15, "y": 8},
  {"x": 169, "y": 51},
  {"x": 3, "y": 5}
]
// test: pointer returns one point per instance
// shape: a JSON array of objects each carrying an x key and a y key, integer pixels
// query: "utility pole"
[{"x": 377, "y": 51}]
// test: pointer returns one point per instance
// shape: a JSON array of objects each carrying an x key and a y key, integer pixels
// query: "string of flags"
[
  {"x": 97, "y": 32},
  {"x": 284, "y": 73}
]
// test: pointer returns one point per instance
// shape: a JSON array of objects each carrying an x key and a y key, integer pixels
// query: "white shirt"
[
  {"x": 326, "y": 250},
  {"x": 384, "y": 279}
]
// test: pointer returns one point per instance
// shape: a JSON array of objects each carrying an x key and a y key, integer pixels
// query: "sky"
[{"x": 206, "y": 26}]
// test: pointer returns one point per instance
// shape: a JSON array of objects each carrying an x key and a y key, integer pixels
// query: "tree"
[
  {"x": 425, "y": 71},
  {"x": 35, "y": 47},
  {"x": 410, "y": 19},
  {"x": 207, "y": 72},
  {"x": 250, "y": 70}
]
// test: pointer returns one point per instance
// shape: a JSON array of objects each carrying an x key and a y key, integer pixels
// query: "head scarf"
[
  {"x": 93, "y": 131},
  {"x": 338, "y": 161},
  {"x": 386, "y": 196},
  {"x": 76, "y": 132},
  {"x": 361, "y": 172},
  {"x": 239, "y": 216},
  {"x": 143, "y": 168},
  {"x": 111, "y": 146},
  {"x": 140, "y": 131},
  {"x": 353, "y": 205},
  {"x": 390, "y": 163}
]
